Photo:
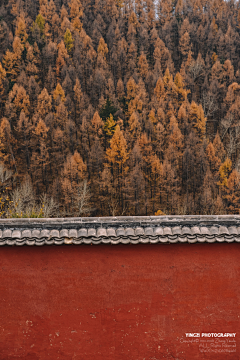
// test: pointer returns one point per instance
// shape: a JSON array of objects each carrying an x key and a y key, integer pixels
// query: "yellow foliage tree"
[
  {"x": 117, "y": 153},
  {"x": 159, "y": 90},
  {"x": 197, "y": 118},
  {"x": 180, "y": 87},
  {"x": 102, "y": 48},
  {"x": 21, "y": 29},
  {"x": 232, "y": 193},
  {"x": 59, "y": 93},
  {"x": 12, "y": 60},
  {"x": 109, "y": 126},
  {"x": 2, "y": 85},
  {"x": 76, "y": 13},
  {"x": 68, "y": 40},
  {"x": 224, "y": 171},
  {"x": 73, "y": 174}
]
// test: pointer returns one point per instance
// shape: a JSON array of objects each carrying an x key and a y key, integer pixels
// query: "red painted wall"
[{"x": 119, "y": 302}]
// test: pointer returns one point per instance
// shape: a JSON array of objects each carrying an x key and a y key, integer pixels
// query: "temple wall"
[{"x": 122, "y": 302}]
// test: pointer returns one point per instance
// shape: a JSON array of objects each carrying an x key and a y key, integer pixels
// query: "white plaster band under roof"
[{"x": 121, "y": 230}]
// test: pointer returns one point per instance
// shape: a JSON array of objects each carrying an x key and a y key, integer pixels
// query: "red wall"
[{"x": 118, "y": 302}]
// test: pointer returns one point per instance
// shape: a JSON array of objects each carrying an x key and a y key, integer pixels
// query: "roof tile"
[
  {"x": 154, "y": 241},
  {"x": 30, "y": 242},
  {"x": 111, "y": 232},
  {"x": 158, "y": 230},
  {"x": 106, "y": 240},
  {"x": 223, "y": 230},
  {"x": 139, "y": 231},
  {"x": 125, "y": 241},
  {"x": 196, "y": 230},
  {"x": 26, "y": 234},
  {"x": 176, "y": 230},
  {"x": 186, "y": 231},
  {"x": 58, "y": 242},
  {"x": 129, "y": 231},
  {"x": 163, "y": 239},
  {"x": 7, "y": 233},
  {"x": 10, "y": 242},
  {"x": 183, "y": 239},
  {"x": 167, "y": 231},
  {"x": 68, "y": 241},
  {"x": 124, "y": 230},
  {"x": 173, "y": 238},
  {"x": 72, "y": 233},
  {"x": 45, "y": 233},
  {"x": 191, "y": 239},
  {"x": 201, "y": 238},
  {"x": 49, "y": 241},
  {"x": 87, "y": 241},
  {"x": 120, "y": 231},
  {"x": 204, "y": 230},
  {"x": 40, "y": 243},
  {"x": 64, "y": 233},
  {"x": 143, "y": 240},
  {"x": 148, "y": 231},
  {"x": 92, "y": 232},
  {"x": 54, "y": 234},
  {"x": 115, "y": 241},
  {"x": 211, "y": 239},
  {"x": 82, "y": 233},
  {"x": 233, "y": 230},
  {"x": 16, "y": 234},
  {"x": 20, "y": 243},
  {"x": 214, "y": 230},
  {"x": 101, "y": 232},
  {"x": 36, "y": 233}
]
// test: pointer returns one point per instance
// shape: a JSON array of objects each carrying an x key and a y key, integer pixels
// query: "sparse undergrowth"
[{"x": 20, "y": 201}]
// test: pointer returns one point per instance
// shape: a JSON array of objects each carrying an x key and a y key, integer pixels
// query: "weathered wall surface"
[{"x": 118, "y": 302}]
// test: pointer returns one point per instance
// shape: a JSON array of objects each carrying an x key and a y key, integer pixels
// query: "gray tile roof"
[{"x": 120, "y": 230}]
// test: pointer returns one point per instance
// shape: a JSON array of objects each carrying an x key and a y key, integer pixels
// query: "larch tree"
[
  {"x": 24, "y": 134},
  {"x": 76, "y": 13},
  {"x": 78, "y": 101},
  {"x": 135, "y": 182},
  {"x": 73, "y": 174},
  {"x": 61, "y": 58},
  {"x": 117, "y": 156},
  {"x": 143, "y": 66},
  {"x": 224, "y": 172},
  {"x": 6, "y": 145},
  {"x": 213, "y": 159},
  {"x": 68, "y": 41},
  {"x": 59, "y": 94},
  {"x": 3, "y": 88},
  {"x": 198, "y": 120},
  {"x": 21, "y": 29},
  {"x": 32, "y": 60},
  {"x": 13, "y": 59},
  {"x": 231, "y": 193},
  {"x": 40, "y": 156},
  {"x": 17, "y": 101},
  {"x": 96, "y": 128}
]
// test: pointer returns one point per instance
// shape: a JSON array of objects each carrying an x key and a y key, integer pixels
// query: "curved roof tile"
[{"x": 121, "y": 230}]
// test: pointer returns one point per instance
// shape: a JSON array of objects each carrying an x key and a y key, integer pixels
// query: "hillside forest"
[{"x": 119, "y": 107}]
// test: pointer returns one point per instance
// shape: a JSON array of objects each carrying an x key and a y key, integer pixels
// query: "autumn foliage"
[{"x": 121, "y": 107}]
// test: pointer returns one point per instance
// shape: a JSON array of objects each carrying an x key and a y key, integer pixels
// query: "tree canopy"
[{"x": 135, "y": 101}]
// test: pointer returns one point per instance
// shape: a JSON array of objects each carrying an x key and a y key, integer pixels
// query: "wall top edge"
[{"x": 121, "y": 219}]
